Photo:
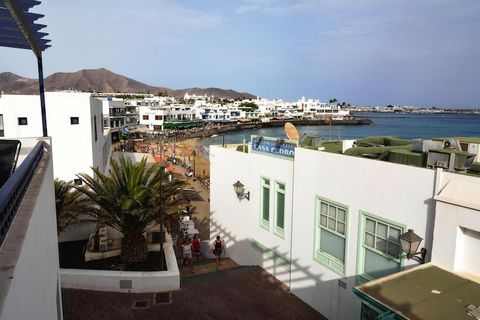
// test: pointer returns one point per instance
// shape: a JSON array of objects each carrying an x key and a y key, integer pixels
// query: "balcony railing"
[{"x": 12, "y": 192}]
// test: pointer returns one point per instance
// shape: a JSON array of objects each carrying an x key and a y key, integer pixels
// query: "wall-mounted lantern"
[
  {"x": 410, "y": 242},
  {"x": 240, "y": 191}
]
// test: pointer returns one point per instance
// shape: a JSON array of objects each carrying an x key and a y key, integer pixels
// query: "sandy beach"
[{"x": 188, "y": 151}]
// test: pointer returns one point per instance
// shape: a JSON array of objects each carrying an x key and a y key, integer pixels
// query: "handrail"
[{"x": 12, "y": 192}]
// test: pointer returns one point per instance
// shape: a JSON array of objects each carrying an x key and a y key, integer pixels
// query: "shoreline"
[
  {"x": 220, "y": 129},
  {"x": 189, "y": 141}
]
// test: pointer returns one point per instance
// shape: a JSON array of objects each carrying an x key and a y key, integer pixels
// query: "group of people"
[{"x": 192, "y": 248}]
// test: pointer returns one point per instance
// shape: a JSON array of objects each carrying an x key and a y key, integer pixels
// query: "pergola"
[{"x": 19, "y": 30}]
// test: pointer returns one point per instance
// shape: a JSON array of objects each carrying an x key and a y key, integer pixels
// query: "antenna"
[{"x": 291, "y": 132}]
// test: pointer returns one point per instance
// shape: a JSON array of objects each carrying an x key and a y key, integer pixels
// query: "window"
[
  {"x": 74, "y": 120},
  {"x": 158, "y": 118},
  {"x": 145, "y": 117},
  {"x": 279, "y": 209},
  {"x": 95, "y": 126},
  {"x": 2, "y": 132},
  {"x": 367, "y": 312},
  {"x": 330, "y": 234},
  {"x": 379, "y": 248},
  {"x": 22, "y": 121},
  {"x": 265, "y": 203}
]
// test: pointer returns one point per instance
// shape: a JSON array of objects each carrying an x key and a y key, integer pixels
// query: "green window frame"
[
  {"x": 279, "y": 205},
  {"x": 331, "y": 226},
  {"x": 265, "y": 203},
  {"x": 380, "y": 248}
]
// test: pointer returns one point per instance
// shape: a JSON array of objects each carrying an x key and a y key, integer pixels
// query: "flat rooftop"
[{"x": 425, "y": 292}]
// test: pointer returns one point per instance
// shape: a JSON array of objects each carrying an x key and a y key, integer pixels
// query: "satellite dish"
[{"x": 291, "y": 131}]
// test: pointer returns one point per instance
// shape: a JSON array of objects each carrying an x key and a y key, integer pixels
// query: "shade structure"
[{"x": 18, "y": 27}]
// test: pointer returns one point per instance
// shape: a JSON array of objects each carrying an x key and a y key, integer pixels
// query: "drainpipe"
[{"x": 291, "y": 228}]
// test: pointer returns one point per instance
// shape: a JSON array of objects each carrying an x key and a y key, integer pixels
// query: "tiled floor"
[{"x": 236, "y": 293}]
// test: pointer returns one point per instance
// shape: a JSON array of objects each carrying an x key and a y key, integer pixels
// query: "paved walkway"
[
  {"x": 201, "y": 217},
  {"x": 206, "y": 266},
  {"x": 240, "y": 293}
]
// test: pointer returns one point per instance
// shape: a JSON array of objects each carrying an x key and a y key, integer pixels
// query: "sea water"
[{"x": 406, "y": 126}]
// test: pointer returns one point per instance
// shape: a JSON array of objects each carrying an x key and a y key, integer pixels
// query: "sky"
[{"x": 368, "y": 52}]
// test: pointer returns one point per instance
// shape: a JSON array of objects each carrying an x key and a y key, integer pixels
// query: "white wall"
[
  {"x": 141, "y": 282},
  {"x": 395, "y": 192},
  {"x": 456, "y": 243},
  {"x": 33, "y": 287},
  {"x": 74, "y": 147},
  {"x": 402, "y": 194}
]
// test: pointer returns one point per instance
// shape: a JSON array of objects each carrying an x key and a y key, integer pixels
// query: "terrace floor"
[{"x": 235, "y": 293}]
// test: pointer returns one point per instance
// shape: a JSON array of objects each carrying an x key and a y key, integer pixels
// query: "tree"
[
  {"x": 333, "y": 100},
  {"x": 129, "y": 199},
  {"x": 248, "y": 105},
  {"x": 71, "y": 206}
]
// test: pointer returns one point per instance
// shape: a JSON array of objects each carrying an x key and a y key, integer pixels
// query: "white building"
[
  {"x": 324, "y": 223},
  {"x": 155, "y": 117},
  {"x": 74, "y": 122},
  {"x": 314, "y": 109},
  {"x": 114, "y": 112}
]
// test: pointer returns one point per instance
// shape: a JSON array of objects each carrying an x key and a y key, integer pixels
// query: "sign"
[{"x": 273, "y": 146}]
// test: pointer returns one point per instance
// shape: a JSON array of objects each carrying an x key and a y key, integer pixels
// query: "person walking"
[
  {"x": 187, "y": 254},
  {"x": 196, "y": 244},
  {"x": 217, "y": 249}
]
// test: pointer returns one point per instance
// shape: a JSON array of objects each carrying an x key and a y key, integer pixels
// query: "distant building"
[{"x": 156, "y": 117}]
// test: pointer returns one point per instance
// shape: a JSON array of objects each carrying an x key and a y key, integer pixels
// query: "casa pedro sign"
[{"x": 273, "y": 146}]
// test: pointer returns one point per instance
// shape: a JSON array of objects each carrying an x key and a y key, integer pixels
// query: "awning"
[{"x": 18, "y": 27}]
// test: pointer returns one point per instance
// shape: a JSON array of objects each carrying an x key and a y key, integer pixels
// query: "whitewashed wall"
[
  {"x": 32, "y": 292},
  {"x": 457, "y": 224},
  {"x": 141, "y": 282},
  {"x": 74, "y": 147},
  {"x": 395, "y": 192},
  {"x": 392, "y": 192},
  {"x": 239, "y": 221}
]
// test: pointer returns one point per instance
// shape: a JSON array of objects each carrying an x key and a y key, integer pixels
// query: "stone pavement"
[
  {"x": 201, "y": 217},
  {"x": 206, "y": 266},
  {"x": 240, "y": 293}
]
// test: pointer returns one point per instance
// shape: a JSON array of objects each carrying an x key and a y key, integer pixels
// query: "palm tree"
[
  {"x": 72, "y": 207},
  {"x": 129, "y": 200}
]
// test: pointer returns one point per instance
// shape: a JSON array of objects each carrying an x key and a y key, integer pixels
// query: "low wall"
[{"x": 126, "y": 281}]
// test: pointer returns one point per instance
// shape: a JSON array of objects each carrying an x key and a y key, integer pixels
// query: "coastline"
[{"x": 220, "y": 129}]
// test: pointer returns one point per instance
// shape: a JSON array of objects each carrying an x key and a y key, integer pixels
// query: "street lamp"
[
  {"x": 163, "y": 164},
  {"x": 240, "y": 191},
  {"x": 410, "y": 242}
]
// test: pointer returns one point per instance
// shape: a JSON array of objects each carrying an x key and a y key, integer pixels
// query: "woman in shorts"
[{"x": 187, "y": 253}]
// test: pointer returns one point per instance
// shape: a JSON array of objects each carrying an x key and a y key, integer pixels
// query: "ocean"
[{"x": 403, "y": 125}]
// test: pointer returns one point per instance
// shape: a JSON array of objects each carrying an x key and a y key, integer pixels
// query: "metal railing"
[{"x": 12, "y": 192}]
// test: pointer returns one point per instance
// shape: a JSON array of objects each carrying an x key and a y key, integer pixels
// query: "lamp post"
[{"x": 163, "y": 165}]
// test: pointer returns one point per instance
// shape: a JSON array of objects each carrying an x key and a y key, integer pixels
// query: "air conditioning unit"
[
  {"x": 441, "y": 164},
  {"x": 420, "y": 145}
]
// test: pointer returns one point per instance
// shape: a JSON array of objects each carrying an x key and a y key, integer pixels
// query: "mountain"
[
  {"x": 102, "y": 80},
  {"x": 10, "y": 82}
]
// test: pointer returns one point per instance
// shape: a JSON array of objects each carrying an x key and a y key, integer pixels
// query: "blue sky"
[{"x": 365, "y": 52}]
